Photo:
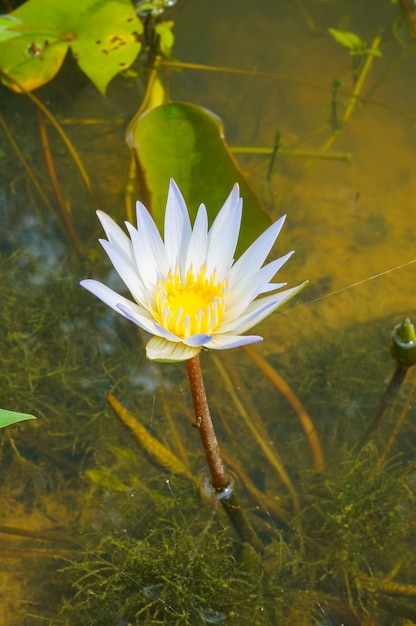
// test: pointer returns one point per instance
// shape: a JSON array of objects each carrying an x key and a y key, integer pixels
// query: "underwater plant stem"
[
  {"x": 253, "y": 422},
  {"x": 399, "y": 423},
  {"x": 219, "y": 478},
  {"x": 26, "y": 167},
  {"x": 66, "y": 214},
  {"x": 361, "y": 79},
  {"x": 389, "y": 397},
  {"x": 288, "y": 393},
  {"x": 303, "y": 154},
  {"x": 243, "y": 72},
  {"x": 60, "y": 132},
  {"x": 353, "y": 101}
]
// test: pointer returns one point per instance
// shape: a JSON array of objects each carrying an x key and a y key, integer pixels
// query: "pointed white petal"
[
  {"x": 232, "y": 199},
  {"x": 223, "y": 342},
  {"x": 243, "y": 296},
  {"x": 148, "y": 247},
  {"x": 223, "y": 235},
  {"x": 161, "y": 350},
  {"x": 259, "y": 309},
  {"x": 177, "y": 229},
  {"x": 105, "y": 294},
  {"x": 166, "y": 334},
  {"x": 126, "y": 269},
  {"x": 257, "y": 282},
  {"x": 271, "y": 287},
  {"x": 197, "y": 248},
  {"x": 254, "y": 257},
  {"x": 138, "y": 316},
  {"x": 118, "y": 247},
  {"x": 197, "y": 341},
  {"x": 115, "y": 235},
  {"x": 251, "y": 286},
  {"x": 266, "y": 273}
]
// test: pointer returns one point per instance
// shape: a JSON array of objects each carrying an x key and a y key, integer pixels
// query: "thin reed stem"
[
  {"x": 291, "y": 397},
  {"x": 66, "y": 214},
  {"x": 389, "y": 397},
  {"x": 253, "y": 422}
]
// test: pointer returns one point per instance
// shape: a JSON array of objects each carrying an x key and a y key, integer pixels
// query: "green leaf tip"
[{"x": 13, "y": 417}]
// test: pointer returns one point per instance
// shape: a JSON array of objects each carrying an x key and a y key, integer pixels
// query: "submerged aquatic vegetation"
[
  {"x": 356, "y": 529},
  {"x": 181, "y": 573},
  {"x": 350, "y": 518},
  {"x": 188, "y": 292}
]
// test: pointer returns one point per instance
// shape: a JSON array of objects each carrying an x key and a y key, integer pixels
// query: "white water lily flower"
[{"x": 188, "y": 291}]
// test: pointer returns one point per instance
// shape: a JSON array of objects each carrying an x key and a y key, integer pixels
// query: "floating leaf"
[
  {"x": 33, "y": 57},
  {"x": 107, "y": 39},
  {"x": 103, "y": 35},
  {"x": 185, "y": 142},
  {"x": 11, "y": 417}
]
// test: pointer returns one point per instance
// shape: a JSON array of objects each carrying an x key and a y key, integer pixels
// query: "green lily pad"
[
  {"x": 11, "y": 417},
  {"x": 107, "y": 39},
  {"x": 103, "y": 36},
  {"x": 35, "y": 50},
  {"x": 185, "y": 142}
]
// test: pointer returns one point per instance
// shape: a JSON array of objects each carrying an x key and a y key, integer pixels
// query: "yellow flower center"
[{"x": 191, "y": 307}]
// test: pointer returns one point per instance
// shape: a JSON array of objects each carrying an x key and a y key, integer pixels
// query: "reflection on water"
[{"x": 90, "y": 522}]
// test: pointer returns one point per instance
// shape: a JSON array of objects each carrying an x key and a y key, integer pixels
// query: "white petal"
[
  {"x": 271, "y": 287},
  {"x": 266, "y": 273},
  {"x": 105, "y": 294},
  {"x": 197, "y": 249},
  {"x": 115, "y": 235},
  {"x": 223, "y": 235},
  {"x": 166, "y": 334},
  {"x": 244, "y": 295},
  {"x": 232, "y": 199},
  {"x": 126, "y": 269},
  {"x": 118, "y": 247},
  {"x": 251, "y": 286},
  {"x": 161, "y": 350},
  {"x": 254, "y": 257},
  {"x": 257, "y": 281},
  {"x": 177, "y": 229},
  {"x": 197, "y": 341},
  {"x": 138, "y": 316},
  {"x": 259, "y": 309},
  {"x": 148, "y": 247},
  {"x": 223, "y": 342}
]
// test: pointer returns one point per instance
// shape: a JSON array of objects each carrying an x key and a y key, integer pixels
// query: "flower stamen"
[{"x": 190, "y": 307}]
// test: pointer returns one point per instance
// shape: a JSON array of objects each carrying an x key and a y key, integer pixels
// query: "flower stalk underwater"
[{"x": 219, "y": 480}]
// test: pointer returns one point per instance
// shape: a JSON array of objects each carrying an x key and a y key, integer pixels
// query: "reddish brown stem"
[
  {"x": 205, "y": 427},
  {"x": 219, "y": 479}
]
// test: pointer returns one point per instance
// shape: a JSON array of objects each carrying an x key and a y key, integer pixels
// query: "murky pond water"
[{"x": 98, "y": 530}]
